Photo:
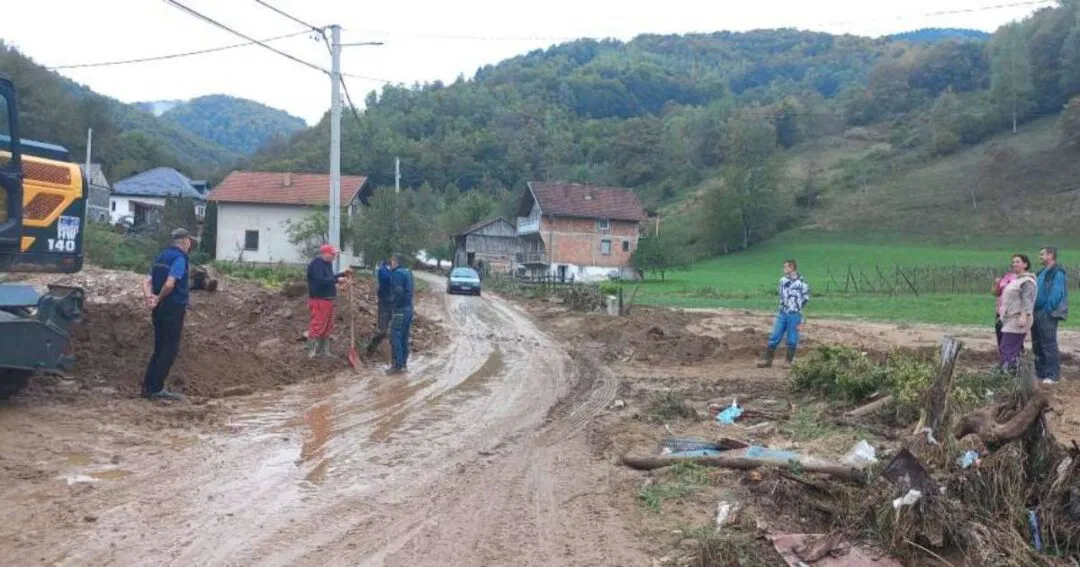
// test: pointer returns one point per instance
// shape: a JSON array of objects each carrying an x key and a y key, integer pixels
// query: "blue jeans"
[
  {"x": 786, "y": 324},
  {"x": 399, "y": 336},
  {"x": 1044, "y": 343}
]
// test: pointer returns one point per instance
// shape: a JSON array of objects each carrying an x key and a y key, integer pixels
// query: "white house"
[
  {"x": 138, "y": 195},
  {"x": 254, "y": 210}
]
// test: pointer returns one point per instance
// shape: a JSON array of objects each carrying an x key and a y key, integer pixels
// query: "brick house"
[{"x": 577, "y": 232}]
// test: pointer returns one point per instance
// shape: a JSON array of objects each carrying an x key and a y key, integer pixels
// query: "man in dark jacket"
[
  {"x": 385, "y": 308},
  {"x": 166, "y": 293},
  {"x": 1051, "y": 306},
  {"x": 322, "y": 284},
  {"x": 401, "y": 298}
]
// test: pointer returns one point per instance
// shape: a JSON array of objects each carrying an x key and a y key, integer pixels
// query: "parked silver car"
[{"x": 463, "y": 280}]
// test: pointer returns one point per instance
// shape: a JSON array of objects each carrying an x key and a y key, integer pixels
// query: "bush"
[
  {"x": 838, "y": 372},
  {"x": 849, "y": 375},
  {"x": 270, "y": 276},
  {"x": 609, "y": 288},
  {"x": 104, "y": 247}
]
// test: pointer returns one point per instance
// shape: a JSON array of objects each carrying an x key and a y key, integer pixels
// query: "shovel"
[{"x": 354, "y": 355}]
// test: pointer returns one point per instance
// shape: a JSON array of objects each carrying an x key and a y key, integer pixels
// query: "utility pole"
[
  {"x": 88, "y": 176},
  {"x": 89, "y": 143},
  {"x": 335, "y": 142},
  {"x": 397, "y": 175}
]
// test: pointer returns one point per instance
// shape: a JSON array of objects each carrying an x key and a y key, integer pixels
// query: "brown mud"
[
  {"x": 239, "y": 339},
  {"x": 463, "y": 461}
]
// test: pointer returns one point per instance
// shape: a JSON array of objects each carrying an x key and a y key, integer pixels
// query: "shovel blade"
[{"x": 354, "y": 358}]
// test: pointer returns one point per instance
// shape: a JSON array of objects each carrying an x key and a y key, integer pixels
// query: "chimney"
[{"x": 287, "y": 179}]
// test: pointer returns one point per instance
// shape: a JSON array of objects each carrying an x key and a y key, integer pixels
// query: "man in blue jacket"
[
  {"x": 386, "y": 313},
  {"x": 401, "y": 298},
  {"x": 166, "y": 294},
  {"x": 1051, "y": 306}
]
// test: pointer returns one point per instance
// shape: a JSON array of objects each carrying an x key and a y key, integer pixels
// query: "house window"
[
  {"x": 251, "y": 240},
  {"x": 603, "y": 225},
  {"x": 112, "y": 206},
  {"x": 605, "y": 247},
  {"x": 625, "y": 245}
]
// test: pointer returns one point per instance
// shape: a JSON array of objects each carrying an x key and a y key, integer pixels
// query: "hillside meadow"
[{"x": 747, "y": 280}]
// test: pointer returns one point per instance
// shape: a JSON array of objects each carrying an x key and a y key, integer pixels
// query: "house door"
[{"x": 562, "y": 273}]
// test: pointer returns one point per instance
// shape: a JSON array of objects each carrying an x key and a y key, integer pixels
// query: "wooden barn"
[{"x": 488, "y": 246}]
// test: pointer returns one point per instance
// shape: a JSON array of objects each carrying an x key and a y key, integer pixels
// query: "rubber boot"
[
  {"x": 312, "y": 348},
  {"x": 324, "y": 348},
  {"x": 790, "y": 358},
  {"x": 766, "y": 359}
]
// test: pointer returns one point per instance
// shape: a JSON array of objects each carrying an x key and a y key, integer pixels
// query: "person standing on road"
[
  {"x": 794, "y": 295},
  {"x": 401, "y": 297},
  {"x": 1016, "y": 313},
  {"x": 999, "y": 286},
  {"x": 166, "y": 294},
  {"x": 1051, "y": 307},
  {"x": 382, "y": 326},
  {"x": 322, "y": 284}
]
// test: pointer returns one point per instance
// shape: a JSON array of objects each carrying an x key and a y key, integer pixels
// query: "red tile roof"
[
  {"x": 284, "y": 188},
  {"x": 587, "y": 201}
]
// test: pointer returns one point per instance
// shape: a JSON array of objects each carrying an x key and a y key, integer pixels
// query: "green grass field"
[{"x": 748, "y": 280}]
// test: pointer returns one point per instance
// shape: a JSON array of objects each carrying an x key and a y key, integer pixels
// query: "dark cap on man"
[{"x": 180, "y": 234}]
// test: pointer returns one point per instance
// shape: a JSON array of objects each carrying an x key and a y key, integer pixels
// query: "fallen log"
[
  {"x": 871, "y": 407},
  {"x": 741, "y": 462},
  {"x": 995, "y": 426}
]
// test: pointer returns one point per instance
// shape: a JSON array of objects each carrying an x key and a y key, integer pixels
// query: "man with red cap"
[{"x": 322, "y": 284}]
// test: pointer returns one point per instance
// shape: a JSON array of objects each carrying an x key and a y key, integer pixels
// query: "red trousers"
[{"x": 322, "y": 318}]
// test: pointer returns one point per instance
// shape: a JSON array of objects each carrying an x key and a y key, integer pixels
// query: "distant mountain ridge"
[
  {"x": 159, "y": 107},
  {"x": 940, "y": 34},
  {"x": 240, "y": 125}
]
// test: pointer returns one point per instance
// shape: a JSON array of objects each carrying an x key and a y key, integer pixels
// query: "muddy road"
[{"x": 480, "y": 456}]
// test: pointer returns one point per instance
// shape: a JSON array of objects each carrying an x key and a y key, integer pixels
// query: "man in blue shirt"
[
  {"x": 401, "y": 298},
  {"x": 386, "y": 312},
  {"x": 1051, "y": 306},
  {"x": 166, "y": 293}
]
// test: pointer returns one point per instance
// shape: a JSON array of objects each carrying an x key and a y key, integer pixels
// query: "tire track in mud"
[{"x": 471, "y": 462}]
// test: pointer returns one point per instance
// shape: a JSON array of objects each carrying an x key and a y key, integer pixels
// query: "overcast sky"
[{"x": 425, "y": 39}]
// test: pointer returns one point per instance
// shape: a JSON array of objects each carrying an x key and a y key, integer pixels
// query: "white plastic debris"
[
  {"x": 908, "y": 499},
  {"x": 726, "y": 512},
  {"x": 861, "y": 455},
  {"x": 929, "y": 436}
]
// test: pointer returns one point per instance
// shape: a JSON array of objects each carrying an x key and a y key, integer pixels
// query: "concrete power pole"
[
  {"x": 335, "y": 142},
  {"x": 397, "y": 175}
]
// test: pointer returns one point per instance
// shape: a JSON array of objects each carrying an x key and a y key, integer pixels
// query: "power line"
[
  {"x": 222, "y": 26},
  {"x": 175, "y": 55},
  {"x": 954, "y": 12},
  {"x": 289, "y": 16}
]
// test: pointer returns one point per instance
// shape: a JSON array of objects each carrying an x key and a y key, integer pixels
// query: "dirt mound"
[
  {"x": 662, "y": 336},
  {"x": 240, "y": 339}
]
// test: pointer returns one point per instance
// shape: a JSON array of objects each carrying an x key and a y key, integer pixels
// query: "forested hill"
[
  {"x": 940, "y": 34},
  {"x": 240, "y": 125},
  {"x": 126, "y": 139},
  {"x": 654, "y": 113}
]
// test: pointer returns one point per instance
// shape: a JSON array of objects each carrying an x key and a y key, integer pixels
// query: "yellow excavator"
[{"x": 42, "y": 221}]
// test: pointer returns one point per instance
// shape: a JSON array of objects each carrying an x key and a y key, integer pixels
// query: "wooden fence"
[{"x": 912, "y": 280}]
